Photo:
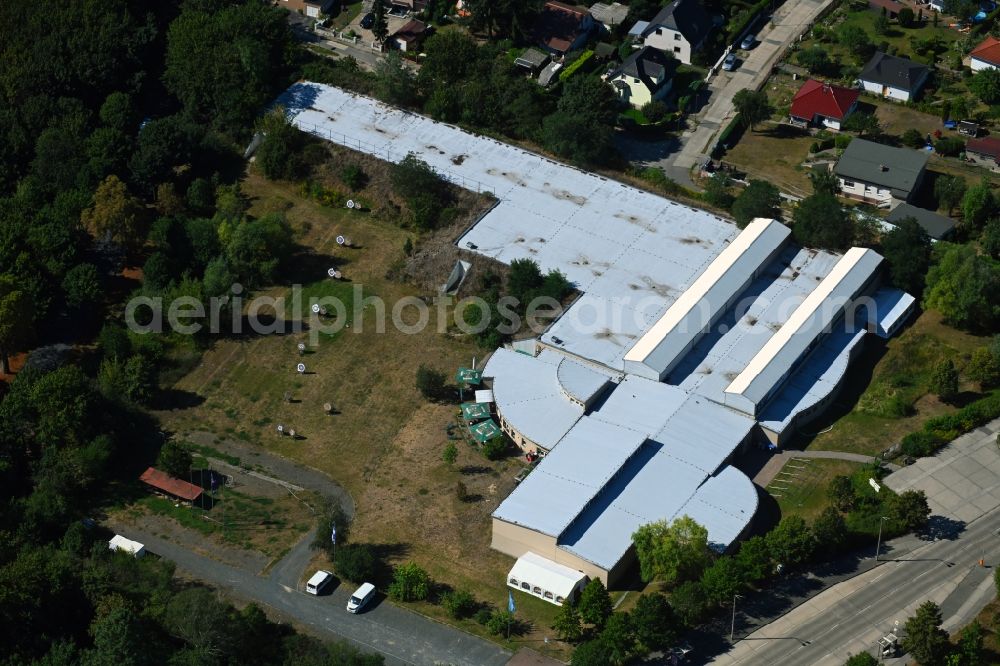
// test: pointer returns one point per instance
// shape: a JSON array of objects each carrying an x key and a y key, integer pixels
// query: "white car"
[
  {"x": 729, "y": 64},
  {"x": 319, "y": 580},
  {"x": 360, "y": 598}
]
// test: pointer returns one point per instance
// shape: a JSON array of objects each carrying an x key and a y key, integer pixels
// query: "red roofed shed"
[
  {"x": 984, "y": 151},
  {"x": 171, "y": 486},
  {"x": 823, "y": 104},
  {"x": 986, "y": 55}
]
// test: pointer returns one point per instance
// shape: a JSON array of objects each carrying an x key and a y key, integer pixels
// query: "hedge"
[
  {"x": 576, "y": 64},
  {"x": 731, "y": 132},
  {"x": 745, "y": 18},
  {"x": 941, "y": 429}
]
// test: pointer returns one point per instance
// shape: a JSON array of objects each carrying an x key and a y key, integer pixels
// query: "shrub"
[
  {"x": 495, "y": 448},
  {"x": 409, "y": 583},
  {"x": 949, "y": 146},
  {"x": 499, "y": 622},
  {"x": 352, "y": 176},
  {"x": 356, "y": 562},
  {"x": 430, "y": 382},
  {"x": 913, "y": 138},
  {"x": 842, "y": 141},
  {"x": 920, "y": 444},
  {"x": 483, "y": 615},
  {"x": 458, "y": 604}
]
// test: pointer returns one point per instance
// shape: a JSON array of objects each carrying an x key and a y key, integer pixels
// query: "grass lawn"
[
  {"x": 383, "y": 442},
  {"x": 863, "y": 421},
  {"x": 775, "y": 153},
  {"x": 800, "y": 486},
  {"x": 348, "y": 12}
]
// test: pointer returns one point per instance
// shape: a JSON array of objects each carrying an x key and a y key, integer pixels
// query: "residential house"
[
  {"x": 879, "y": 174},
  {"x": 562, "y": 28},
  {"x": 891, "y": 7},
  {"x": 937, "y": 226},
  {"x": 894, "y": 78},
  {"x": 645, "y": 75},
  {"x": 986, "y": 55},
  {"x": 984, "y": 152},
  {"x": 410, "y": 36},
  {"x": 609, "y": 16},
  {"x": 680, "y": 28},
  {"x": 936, "y": 5},
  {"x": 410, "y": 5},
  {"x": 823, "y": 104}
]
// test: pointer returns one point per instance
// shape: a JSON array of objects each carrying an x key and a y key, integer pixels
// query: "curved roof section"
[
  {"x": 580, "y": 382},
  {"x": 529, "y": 396},
  {"x": 725, "y": 504},
  {"x": 659, "y": 349}
]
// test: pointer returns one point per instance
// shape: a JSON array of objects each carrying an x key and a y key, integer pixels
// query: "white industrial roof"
[
  {"x": 810, "y": 319},
  {"x": 725, "y": 504},
  {"x": 551, "y": 576},
  {"x": 528, "y": 394},
  {"x": 580, "y": 382},
  {"x": 704, "y": 301},
  {"x": 889, "y": 308}
]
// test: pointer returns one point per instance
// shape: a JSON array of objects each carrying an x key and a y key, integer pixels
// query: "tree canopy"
[
  {"x": 907, "y": 249},
  {"x": 820, "y": 221},
  {"x": 673, "y": 552},
  {"x": 962, "y": 285},
  {"x": 759, "y": 199}
]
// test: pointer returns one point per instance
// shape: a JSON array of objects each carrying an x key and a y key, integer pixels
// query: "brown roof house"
[
  {"x": 410, "y": 36},
  {"x": 170, "y": 485},
  {"x": 562, "y": 28},
  {"x": 984, "y": 152}
]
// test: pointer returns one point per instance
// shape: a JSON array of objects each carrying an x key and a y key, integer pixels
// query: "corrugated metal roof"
[
  {"x": 688, "y": 317},
  {"x": 703, "y": 433},
  {"x": 809, "y": 320},
  {"x": 725, "y": 504}
]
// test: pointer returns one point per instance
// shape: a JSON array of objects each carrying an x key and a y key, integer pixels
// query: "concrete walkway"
[{"x": 778, "y": 460}]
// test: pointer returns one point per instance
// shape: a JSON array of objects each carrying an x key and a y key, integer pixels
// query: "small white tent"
[
  {"x": 545, "y": 579},
  {"x": 118, "y": 542}
]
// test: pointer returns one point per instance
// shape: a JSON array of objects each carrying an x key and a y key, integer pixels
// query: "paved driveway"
[{"x": 962, "y": 481}]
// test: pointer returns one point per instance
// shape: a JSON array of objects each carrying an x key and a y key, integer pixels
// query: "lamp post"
[
  {"x": 878, "y": 544},
  {"x": 732, "y": 627}
]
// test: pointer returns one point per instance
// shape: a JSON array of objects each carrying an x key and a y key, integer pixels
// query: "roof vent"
[{"x": 882, "y": 167}]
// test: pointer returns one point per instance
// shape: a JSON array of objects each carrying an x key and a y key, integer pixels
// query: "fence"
[{"x": 389, "y": 155}]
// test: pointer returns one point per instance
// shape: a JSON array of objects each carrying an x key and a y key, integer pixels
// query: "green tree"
[
  {"x": 654, "y": 622},
  {"x": 409, "y": 583},
  {"x": 115, "y": 214},
  {"x": 754, "y": 558},
  {"x": 15, "y": 319},
  {"x": 504, "y": 18},
  {"x": 175, "y": 459},
  {"x": 524, "y": 279},
  {"x": 791, "y": 543},
  {"x": 824, "y": 181},
  {"x": 118, "y": 640},
  {"x": 990, "y": 239},
  {"x": 970, "y": 645},
  {"x": 356, "y": 562},
  {"x": 985, "y": 85},
  {"x": 200, "y": 619},
  {"x": 759, "y": 199},
  {"x": 380, "y": 27},
  {"x": 905, "y": 17},
  {"x": 567, "y": 623},
  {"x": 595, "y": 603},
  {"x": 881, "y": 25},
  {"x": 500, "y": 621},
  {"x": 944, "y": 380},
  {"x": 820, "y": 221},
  {"x": 815, "y": 59},
  {"x": 862, "y": 123},
  {"x": 910, "y": 509},
  {"x": 332, "y": 517},
  {"x": 854, "y": 38},
  {"x": 280, "y": 152},
  {"x": 619, "y": 635},
  {"x": 753, "y": 107},
  {"x": 830, "y": 530},
  {"x": 495, "y": 448},
  {"x": 978, "y": 204},
  {"x": 689, "y": 602},
  {"x": 949, "y": 191},
  {"x": 592, "y": 653},
  {"x": 722, "y": 580},
  {"x": 841, "y": 493},
  {"x": 914, "y": 139},
  {"x": 923, "y": 637},
  {"x": 907, "y": 250},
  {"x": 861, "y": 659},
  {"x": 450, "y": 453},
  {"x": 258, "y": 249},
  {"x": 673, "y": 552},
  {"x": 430, "y": 382},
  {"x": 394, "y": 80},
  {"x": 458, "y": 604},
  {"x": 984, "y": 367},
  {"x": 962, "y": 286},
  {"x": 717, "y": 190}
]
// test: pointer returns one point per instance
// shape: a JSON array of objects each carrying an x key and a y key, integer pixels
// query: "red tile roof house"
[
  {"x": 986, "y": 55},
  {"x": 823, "y": 104},
  {"x": 562, "y": 28},
  {"x": 984, "y": 152}
]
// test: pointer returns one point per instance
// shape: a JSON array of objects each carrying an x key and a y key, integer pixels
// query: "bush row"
[{"x": 942, "y": 429}]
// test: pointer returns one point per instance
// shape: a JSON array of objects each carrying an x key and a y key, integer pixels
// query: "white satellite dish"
[
  {"x": 281, "y": 429},
  {"x": 350, "y": 203},
  {"x": 302, "y": 346},
  {"x": 327, "y": 407},
  {"x": 332, "y": 272},
  {"x": 301, "y": 367},
  {"x": 315, "y": 308},
  {"x": 341, "y": 240}
]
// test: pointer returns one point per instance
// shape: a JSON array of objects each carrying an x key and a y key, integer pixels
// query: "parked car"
[
  {"x": 318, "y": 582},
  {"x": 748, "y": 42},
  {"x": 360, "y": 598},
  {"x": 367, "y": 21},
  {"x": 729, "y": 64}
]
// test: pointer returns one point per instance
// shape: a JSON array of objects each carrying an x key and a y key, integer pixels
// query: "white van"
[
  {"x": 319, "y": 580},
  {"x": 360, "y": 598}
]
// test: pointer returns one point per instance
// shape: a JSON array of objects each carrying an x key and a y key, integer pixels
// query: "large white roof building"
[{"x": 688, "y": 335}]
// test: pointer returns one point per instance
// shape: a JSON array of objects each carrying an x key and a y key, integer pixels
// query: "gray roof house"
[
  {"x": 893, "y": 78},
  {"x": 643, "y": 76},
  {"x": 879, "y": 174},
  {"x": 679, "y": 28},
  {"x": 937, "y": 226}
]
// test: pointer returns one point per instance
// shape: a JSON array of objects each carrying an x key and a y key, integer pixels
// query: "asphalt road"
[{"x": 401, "y": 636}]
